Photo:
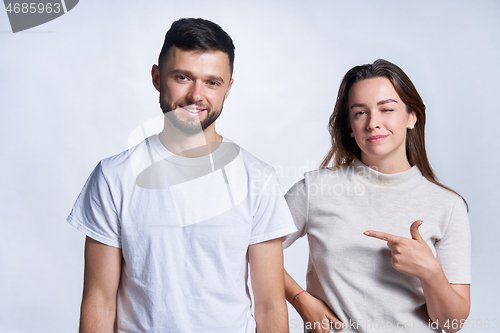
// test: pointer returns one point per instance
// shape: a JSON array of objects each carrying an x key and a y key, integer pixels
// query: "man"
[{"x": 173, "y": 222}]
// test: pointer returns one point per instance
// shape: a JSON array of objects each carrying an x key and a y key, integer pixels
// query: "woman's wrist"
[
  {"x": 296, "y": 297},
  {"x": 431, "y": 272},
  {"x": 301, "y": 303}
]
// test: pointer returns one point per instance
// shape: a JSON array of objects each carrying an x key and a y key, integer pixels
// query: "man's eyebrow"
[
  {"x": 181, "y": 71},
  {"x": 215, "y": 78},
  {"x": 189, "y": 73}
]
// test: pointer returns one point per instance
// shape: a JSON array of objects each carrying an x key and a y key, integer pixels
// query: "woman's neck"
[{"x": 387, "y": 165}]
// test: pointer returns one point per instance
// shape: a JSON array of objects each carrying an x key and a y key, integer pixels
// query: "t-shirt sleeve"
[
  {"x": 297, "y": 200},
  {"x": 453, "y": 251},
  {"x": 272, "y": 218},
  {"x": 94, "y": 212}
]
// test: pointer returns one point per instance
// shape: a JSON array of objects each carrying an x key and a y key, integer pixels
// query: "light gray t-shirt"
[
  {"x": 353, "y": 273},
  {"x": 184, "y": 226}
]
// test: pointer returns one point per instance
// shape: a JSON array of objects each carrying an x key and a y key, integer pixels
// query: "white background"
[{"x": 72, "y": 90}]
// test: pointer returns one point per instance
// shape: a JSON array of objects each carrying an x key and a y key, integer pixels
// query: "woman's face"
[{"x": 379, "y": 120}]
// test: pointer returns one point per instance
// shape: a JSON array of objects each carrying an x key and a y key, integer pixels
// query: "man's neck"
[{"x": 189, "y": 145}]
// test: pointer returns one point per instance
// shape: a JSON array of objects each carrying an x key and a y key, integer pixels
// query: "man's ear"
[
  {"x": 155, "y": 76},
  {"x": 229, "y": 88}
]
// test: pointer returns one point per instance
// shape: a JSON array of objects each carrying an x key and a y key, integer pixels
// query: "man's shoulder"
[
  {"x": 255, "y": 166},
  {"x": 129, "y": 159}
]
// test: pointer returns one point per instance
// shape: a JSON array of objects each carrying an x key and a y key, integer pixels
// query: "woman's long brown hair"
[{"x": 344, "y": 148}]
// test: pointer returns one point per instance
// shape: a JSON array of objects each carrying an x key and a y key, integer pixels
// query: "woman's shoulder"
[
  {"x": 439, "y": 195},
  {"x": 329, "y": 173}
]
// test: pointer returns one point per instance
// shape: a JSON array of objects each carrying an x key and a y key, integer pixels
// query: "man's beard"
[{"x": 189, "y": 127}]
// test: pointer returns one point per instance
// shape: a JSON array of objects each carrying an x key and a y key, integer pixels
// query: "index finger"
[{"x": 383, "y": 236}]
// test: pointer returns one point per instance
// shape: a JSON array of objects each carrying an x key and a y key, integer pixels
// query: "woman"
[{"x": 389, "y": 245}]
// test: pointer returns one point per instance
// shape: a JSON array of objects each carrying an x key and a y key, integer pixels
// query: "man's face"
[{"x": 193, "y": 86}]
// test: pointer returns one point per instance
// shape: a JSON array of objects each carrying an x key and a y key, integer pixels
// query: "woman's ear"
[{"x": 412, "y": 120}]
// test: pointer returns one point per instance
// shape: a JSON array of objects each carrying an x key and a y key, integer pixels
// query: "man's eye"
[
  {"x": 182, "y": 77},
  {"x": 213, "y": 83}
]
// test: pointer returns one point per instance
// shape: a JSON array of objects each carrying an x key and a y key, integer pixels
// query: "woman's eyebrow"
[
  {"x": 385, "y": 101},
  {"x": 358, "y": 106}
]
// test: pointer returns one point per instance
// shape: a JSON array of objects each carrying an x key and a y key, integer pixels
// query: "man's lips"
[
  {"x": 376, "y": 138},
  {"x": 193, "y": 109}
]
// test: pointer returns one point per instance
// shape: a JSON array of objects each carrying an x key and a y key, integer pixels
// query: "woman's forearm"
[
  {"x": 292, "y": 288},
  {"x": 447, "y": 305}
]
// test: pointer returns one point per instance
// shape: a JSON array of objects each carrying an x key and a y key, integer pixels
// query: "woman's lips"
[{"x": 376, "y": 138}]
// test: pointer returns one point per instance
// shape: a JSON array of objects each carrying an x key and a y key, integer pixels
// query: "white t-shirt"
[{"x": 184, "y": 226}]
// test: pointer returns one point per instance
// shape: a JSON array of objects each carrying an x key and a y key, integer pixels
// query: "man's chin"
[
  {"x": 193, "y": 126},
  {"x": 189, "y": 126},
  {"x": 188, "y": 129}
]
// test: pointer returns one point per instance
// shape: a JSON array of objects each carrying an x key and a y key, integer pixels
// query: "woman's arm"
[
  {"x": 313, "y": 311},
  {"x": 447, "y": 304}
]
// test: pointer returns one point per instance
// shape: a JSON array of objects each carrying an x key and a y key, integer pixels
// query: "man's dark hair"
[{"x": 197, "y": 34}]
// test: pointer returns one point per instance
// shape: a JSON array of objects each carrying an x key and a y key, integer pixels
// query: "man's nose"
[{"x": 196, "y": 91}]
